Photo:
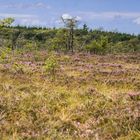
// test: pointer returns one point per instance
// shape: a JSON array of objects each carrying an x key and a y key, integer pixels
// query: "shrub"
[
  {"x": 94, "y": 47},
  {"x": 4, "y": 54},
  {"x": 51, "y": 65}
]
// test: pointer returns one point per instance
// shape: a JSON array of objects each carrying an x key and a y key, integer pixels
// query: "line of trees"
[{"x": 68, "y": 39}]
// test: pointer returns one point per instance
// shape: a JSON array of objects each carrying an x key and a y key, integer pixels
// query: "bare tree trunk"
[{"x": 72, "y": 38}]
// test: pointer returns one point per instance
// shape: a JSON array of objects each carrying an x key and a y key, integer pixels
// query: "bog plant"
[
  {"x": 98, "y": 46},
  {"x": 18, "y": 68},
  {"x": 5, "y": 54},
  {"x": 51, "y": 65},
  {"x": 94, "y": 47}
]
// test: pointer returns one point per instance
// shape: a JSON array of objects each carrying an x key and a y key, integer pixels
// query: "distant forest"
[{"x": 95, "y": 41}]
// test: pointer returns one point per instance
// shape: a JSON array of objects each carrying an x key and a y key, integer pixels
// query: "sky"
[{"x": 111, "y": 15}]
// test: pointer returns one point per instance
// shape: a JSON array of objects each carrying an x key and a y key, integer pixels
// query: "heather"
[{"x": 81, "y": 96}]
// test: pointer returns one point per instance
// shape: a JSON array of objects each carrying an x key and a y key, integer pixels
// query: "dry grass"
[{"x": 92, "y": 97}]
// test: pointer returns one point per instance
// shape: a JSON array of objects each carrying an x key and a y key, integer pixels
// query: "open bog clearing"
[
  {"x": 69, "y": 70},
  {"x": 84, "y": 97}
]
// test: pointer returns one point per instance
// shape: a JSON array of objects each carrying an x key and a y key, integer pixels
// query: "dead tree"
[{"x": 70, "y": 24}]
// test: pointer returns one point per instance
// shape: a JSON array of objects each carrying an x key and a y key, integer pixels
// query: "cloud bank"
[
  {"x": 133, "y": 16},
  {"x": 34, "y": 20}
]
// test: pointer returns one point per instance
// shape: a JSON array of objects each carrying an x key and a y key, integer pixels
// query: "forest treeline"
[{"x": 95, "y": 41}]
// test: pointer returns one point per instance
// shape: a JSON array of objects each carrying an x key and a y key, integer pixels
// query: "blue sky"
[{"x": 121, "y": 15}]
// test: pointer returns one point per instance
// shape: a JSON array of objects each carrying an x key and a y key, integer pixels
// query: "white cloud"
[
  {"x": 89, "y": 16},
  {"x": 24, "y": 19},
  {"x": 26, "y": 5},
  {"x": 137, "y": 21},
  {"x": 66, "y": 16},
  {"x": 29, "y": 22},
  {"x": 5, "y": 15},
  {"x": 109, "y": 15},
  {"x": 40, "y": 4},
  {"x": 78, "y": 18}
]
